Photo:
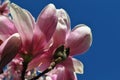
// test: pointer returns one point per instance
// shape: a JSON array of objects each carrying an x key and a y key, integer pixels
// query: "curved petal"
[
  {"x": 40, "y": 61},
  {"x": 4, "y": 8},
  {"x": 64, "y": 17},
  {"x": 9, "y": 49},
  {"x": 24, "y": 23},
  {"x": 39, "y": 41},
  {"x": 79, "y": 39},
  {"x": 6, "y": 27},
  {"x": 68, "y": 63},
  {"x": 73, "y": 65},
  {"x": 78, "y": 66},
  {"x": 63, "y": 27},
  {"x": 47, "y": 21},
  {"x": 61, "y": 73}
]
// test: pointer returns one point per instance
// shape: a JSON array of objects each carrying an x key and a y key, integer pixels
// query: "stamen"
[{"x": 62, "y": 53}]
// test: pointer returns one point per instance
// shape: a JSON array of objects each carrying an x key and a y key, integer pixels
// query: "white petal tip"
[
  {"x": 16, "y": 35},
  {"x": 85, "y": 30},
  {"x": 51, "y": 5},
  {"x": 78, "y": 66},
  {"x": 80, "y": 69}
]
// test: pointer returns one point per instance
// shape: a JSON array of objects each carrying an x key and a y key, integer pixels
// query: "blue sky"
[{"x": 102, "y": 61}]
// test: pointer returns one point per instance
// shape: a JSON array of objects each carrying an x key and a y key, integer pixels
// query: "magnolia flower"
[
  {"x": 35, "y": 36},
  {"x": 78, "y": 40}
]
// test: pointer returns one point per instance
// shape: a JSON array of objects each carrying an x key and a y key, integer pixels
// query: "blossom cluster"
[{"x": 41, "y": 49}]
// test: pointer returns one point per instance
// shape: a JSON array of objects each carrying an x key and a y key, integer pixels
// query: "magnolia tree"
[{"x": 41, "y": 49}]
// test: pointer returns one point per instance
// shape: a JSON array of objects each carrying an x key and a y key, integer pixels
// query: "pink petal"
[
  {"x": 39, "y": 41},
  {"x": 24, "y": 23},
  {"x": 68, "y": 63},
  {"x": 4, "y": 8},
  {"x": 73, "y": 65},
  {"x": 63, "y": 17},
  {"x": 40, "y": 61},
  {"x": 47, "y": 21},
  {"x": 61, "y": 73},
  {"x": 63, "y": 27},
  {"x": 6, "y": 28},
  {"x": 79, "y": 40},
  {"x": 9, "y": 49}
]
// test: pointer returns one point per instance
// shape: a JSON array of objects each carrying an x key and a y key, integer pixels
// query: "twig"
[{"x": 24, "y": 70}]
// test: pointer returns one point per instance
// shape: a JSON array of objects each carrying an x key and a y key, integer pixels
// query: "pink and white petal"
[
  {"x": 40, "y": 61},
  {"x": 47, "y": 21},
  {"x": 63, "y": 27},
  {"x": 48, "y": 45},
  {"x": 70, "y": 75},
  {"x": 4, "y": 8},
  {"x": 45, "y": 62},
  {"x": 7, "y": 28},
  {"x": 78, "y": 66},
  {"x": 9, "y": 49},
  {"x": 64, "y": 17},
  {"x": 50, "y": 78},
  {"x": 61, "y": 73},
  {"x": 68, "y": 63},
  {"x": 79, "y": 40},
  {"x": 73, "y": 65},
  {"x": 39, "y": 41},
  {"x": 24, "y": 23}
]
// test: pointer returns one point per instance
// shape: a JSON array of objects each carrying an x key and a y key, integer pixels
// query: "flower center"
[{"x": 61, "y": 54}]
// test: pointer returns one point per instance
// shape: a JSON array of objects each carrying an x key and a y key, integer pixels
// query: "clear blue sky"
[{"x": 102, "y": 61}]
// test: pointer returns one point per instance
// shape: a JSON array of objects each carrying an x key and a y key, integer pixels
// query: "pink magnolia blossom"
[
  {"x": 78, "y": 40},
  {"x": 35, "y": 36},
  {"x": 39, "y": 40}
]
